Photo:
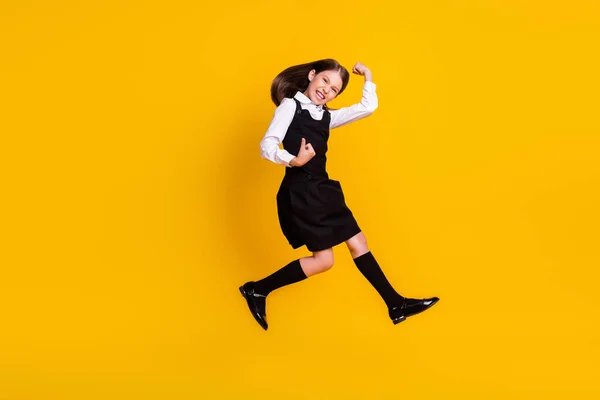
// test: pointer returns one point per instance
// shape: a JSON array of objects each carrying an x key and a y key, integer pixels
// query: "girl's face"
[{"x": 323, "y": 87}]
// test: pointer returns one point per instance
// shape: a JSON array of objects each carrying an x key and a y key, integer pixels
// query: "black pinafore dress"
[{"x": 311, "y": 207}]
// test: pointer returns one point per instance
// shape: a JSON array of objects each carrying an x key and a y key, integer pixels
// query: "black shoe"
[
  {"x": 256, "y": 303},
  {"x": 410, "y": 307}
]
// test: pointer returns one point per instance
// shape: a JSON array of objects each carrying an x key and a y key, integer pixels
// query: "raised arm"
[{"x": 367, "y": 105}]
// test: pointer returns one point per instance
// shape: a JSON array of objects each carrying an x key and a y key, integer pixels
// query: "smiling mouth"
[{"x": 320, "y": 96}]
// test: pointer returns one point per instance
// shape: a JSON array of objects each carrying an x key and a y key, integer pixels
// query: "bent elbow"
[
  {"x": 372, "y": 107},
  {"x": 264, "y": 153},
  {"x": 267, "y": 151},
  {"x": 369, "y": 108},
  {"x": 265, "y": 147}
]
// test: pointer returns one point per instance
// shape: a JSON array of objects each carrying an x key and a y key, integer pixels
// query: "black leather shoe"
[
  {"x": 410, "y": 307},
  {"x": 256, "y": 303}
]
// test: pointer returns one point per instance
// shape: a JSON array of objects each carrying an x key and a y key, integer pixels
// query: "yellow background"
[{"x": 135, "y": 201}]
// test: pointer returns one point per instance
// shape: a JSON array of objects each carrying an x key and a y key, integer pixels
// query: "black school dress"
[{"x": 311, "y": 207}]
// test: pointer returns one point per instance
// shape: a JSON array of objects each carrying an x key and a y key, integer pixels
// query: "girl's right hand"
[
  {"x": 305, "y": 154},
  {"x": 359, "y": 69}
]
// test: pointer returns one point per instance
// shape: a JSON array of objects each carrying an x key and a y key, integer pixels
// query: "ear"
[{"x": 311, "y": 75}]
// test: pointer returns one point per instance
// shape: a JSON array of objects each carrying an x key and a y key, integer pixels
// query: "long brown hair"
[{"x": 295, "y": 79}]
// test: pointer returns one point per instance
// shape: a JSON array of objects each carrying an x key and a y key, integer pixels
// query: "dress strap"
[{"x": 298, "y": 106}]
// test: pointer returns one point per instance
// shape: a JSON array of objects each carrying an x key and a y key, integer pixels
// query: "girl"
[{"x": 311, "y": 207}]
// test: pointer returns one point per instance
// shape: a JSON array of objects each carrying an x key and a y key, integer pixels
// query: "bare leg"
[
  {"x": 357, "y": 245},
  {"x": 296, "y": 271},
  {"x": 320, "y": 261}
]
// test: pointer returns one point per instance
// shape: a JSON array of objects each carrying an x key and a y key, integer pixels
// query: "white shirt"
[{"x": 284, "y": 114}]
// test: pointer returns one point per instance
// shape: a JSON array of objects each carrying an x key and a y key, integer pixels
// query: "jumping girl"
[{"x": 311, "y": 207}]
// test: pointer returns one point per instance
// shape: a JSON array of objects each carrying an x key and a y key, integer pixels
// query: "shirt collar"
[{"x": 305, "y": 100}]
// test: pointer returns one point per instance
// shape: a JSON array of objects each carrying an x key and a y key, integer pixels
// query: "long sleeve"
[
  {"x": 366, "y": 107},
  {"x": 269, "y": 145}
]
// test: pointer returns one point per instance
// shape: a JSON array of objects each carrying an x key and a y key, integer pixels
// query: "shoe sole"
[{"x": 243, "y": 292}]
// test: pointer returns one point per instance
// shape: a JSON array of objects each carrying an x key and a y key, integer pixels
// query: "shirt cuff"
[
  {"x": 369, "y": 85},
  {"x": 287, "y": 157}
]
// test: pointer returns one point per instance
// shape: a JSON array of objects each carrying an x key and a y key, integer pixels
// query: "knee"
[
  {"x": 328, "y": 264},
  {"x": 325, "y": 262}
]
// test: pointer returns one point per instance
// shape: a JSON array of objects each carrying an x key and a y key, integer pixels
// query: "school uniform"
[{"x": 311, "y": 207}]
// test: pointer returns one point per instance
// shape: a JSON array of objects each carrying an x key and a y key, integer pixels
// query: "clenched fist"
[
  {"x": 304, "y": 155},
  {"x": 360, "y": 69}
]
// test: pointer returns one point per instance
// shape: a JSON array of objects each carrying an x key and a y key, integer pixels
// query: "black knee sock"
[
  {"x": 368, "y": 266},
  {"x": 287, "y": 275}
]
